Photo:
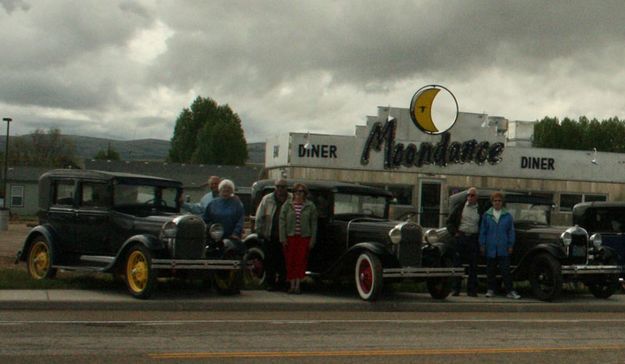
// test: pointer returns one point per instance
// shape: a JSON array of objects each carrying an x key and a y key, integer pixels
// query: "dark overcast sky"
[{"x": 125, "y": 69}]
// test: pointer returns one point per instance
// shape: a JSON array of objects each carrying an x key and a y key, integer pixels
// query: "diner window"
[
  {"x": 592, "y": 198},
  {"x": 568, "y": 200},
  {"x": 17, "y": 196}
]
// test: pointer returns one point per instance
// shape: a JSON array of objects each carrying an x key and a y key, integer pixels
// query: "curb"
[{"x": 268, "y": 301}]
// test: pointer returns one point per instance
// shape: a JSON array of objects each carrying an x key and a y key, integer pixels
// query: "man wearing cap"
[{"x": 267, "y": 227}]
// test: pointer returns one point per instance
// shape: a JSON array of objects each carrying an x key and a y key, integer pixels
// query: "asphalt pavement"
[{"x": 59, "y": 299}]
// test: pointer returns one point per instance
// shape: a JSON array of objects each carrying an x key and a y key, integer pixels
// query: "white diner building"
[{"x": 502, "y": 159}]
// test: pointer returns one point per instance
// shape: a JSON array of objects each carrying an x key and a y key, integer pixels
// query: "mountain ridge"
[{"x": 146, "y": 149}]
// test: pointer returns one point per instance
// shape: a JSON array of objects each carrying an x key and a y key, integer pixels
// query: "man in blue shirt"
[{"x": 200, "y": 207}]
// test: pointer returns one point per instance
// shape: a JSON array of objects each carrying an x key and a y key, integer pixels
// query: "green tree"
[
  {"x": 208, "y": 133},
  {"x": 42, "y": 149},
  {"x": 109, "y": 154}
]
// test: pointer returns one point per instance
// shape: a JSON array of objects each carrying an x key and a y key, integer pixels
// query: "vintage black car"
[
  {"x": 606, "y": 219},
  {"x": 548, "y": 256},
  {"x": 128, "y": 225},
  {"x": 356, "y": 239}
]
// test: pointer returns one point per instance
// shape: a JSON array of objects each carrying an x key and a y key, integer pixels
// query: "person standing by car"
[
  {"x": 496, "y": 242},
  {"x": 199, "y": 207},
  {"x": 463, "y": 224},
  {"x": 226, "y": 210},
  {"x": 298, "y": 230},
  {"x": 268, "y": 228}
]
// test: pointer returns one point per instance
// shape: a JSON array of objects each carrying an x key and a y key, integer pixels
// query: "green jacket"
[{"x": 308, "y": 221}]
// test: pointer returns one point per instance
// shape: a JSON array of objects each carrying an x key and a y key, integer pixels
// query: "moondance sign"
[{"x": 441, "y": 153}]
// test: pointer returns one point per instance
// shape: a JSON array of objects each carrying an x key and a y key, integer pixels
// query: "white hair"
[{"x": 224, "y": 183}]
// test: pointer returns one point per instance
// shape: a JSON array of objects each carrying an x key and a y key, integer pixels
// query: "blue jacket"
[
  {"x": 228, "y": 212},
  {"x": 496, "y": 238}
]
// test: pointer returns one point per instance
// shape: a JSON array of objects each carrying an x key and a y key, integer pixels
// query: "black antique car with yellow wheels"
[
  {"x": 128, "y": 225},
  {"x": 357, "y": 240}
]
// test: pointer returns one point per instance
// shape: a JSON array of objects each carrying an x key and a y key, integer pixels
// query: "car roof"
[
  {"x": 106, "y": 175},
  {"x": 508, "y": 197},
  {"x": 581, "y": 208},
  {"x": 330, "y": 186}
]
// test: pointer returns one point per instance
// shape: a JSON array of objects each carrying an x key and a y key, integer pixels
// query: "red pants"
[{"x": 296, "y": 256}]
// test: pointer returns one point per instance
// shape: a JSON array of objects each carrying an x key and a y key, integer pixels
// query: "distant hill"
[{"x": 140, "y": 149}]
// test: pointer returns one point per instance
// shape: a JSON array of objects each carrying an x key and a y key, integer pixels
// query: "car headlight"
[
  {"x": 395, "y": 234},
  {"x": 431, "y": 236},
  {"x": 567, "y": 238},
  {"x": 216, "y": 232},
  {"x": 169, "y": 230},
  {"x": 596, "y": 240}
]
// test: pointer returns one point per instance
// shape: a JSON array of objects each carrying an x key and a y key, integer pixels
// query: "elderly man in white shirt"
[{"x": 463, "y": 223}]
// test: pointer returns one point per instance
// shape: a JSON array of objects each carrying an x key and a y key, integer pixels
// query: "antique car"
[
  {"x": 128, "y": 225},
  {"x": 547, "y": 256},
  {"x": 607, "y": 219},
  {"x": 356, "y": 239}
]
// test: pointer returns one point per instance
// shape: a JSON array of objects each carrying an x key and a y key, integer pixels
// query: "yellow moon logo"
[{"x": 433, "y": 111}]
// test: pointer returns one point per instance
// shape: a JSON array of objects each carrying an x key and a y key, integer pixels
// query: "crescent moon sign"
[{"x": 421, "y": 110}]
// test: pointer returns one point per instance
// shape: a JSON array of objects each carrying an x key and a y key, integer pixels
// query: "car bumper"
[
  {"x": 591, "y": 269},
  {"x": 423, "y": 272},
  {"x": 196, "y": 264}
]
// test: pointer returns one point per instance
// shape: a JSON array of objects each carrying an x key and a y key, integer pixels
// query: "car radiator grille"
[
  {"x": 409, "y": 252},
  {"x": 190, "y": 239},
  {"x": 578, "y": 249}
]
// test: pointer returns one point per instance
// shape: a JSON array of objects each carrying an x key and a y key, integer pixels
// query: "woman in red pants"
[{"x": 298, "y": 229}]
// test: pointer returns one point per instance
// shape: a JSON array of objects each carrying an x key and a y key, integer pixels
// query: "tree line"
[{"x": 607, "y": 135}]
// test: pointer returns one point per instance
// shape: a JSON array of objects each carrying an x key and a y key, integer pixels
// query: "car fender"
[
  {"x": 149, "y": 241},
  {"x": 252, "y": 240},
  {"x": 348, "y": 259},
  {"x": 522, "y": 268},
  {"x": 443, "y": 249},
  {"x": 235, "y": 245},
  {"x": 40, "y": 230},
  {"x": 606, "y": 253}
]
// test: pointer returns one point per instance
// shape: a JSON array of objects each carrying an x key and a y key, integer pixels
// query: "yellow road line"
[{"x": 408, "y": 352}]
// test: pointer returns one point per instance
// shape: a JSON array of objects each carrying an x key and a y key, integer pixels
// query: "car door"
[
  {"x": 92, "y": 222},
  {"x": 331, "y": 234},
  {"x": 61, "y": 214}
]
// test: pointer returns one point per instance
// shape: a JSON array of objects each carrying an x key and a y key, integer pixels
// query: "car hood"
[{"x": 542, "y": 231}]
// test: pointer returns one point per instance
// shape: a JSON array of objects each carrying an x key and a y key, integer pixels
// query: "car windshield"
[
  {"x": 156, "y": 196},
  {"x": 359, "y": 204},
  {"x": 526, "y": 212}
]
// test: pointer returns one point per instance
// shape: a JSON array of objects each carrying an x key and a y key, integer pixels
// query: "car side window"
[
  {"x": 94, "y": 195},
  {"x": 63, "y": 193}
]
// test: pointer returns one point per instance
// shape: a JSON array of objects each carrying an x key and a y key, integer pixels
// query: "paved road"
[{"x": 309, "y": 337}]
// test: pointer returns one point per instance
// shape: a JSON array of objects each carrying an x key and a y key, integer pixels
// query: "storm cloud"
[{"x": 125, "y": 69}]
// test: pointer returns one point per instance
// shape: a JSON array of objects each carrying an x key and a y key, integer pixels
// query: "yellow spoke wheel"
[
  {"x": 39, "y": 260},
  {"x": 140, "y": 279}
]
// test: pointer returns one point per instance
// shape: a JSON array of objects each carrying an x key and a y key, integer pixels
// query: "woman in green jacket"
[{"x": 298, "y": 230}]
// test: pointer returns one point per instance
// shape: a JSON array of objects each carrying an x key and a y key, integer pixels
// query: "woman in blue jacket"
[{"x": 497, "y": 241}]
